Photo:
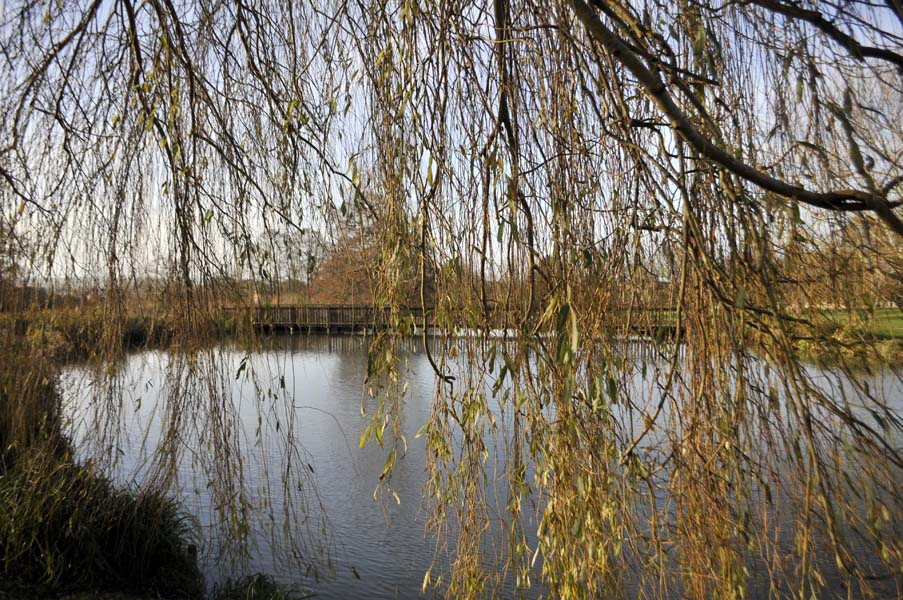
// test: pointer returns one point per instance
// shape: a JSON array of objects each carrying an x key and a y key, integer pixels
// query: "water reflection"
[{"x": 263, "y": 448}]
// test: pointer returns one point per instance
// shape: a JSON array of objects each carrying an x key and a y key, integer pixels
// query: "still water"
[
  {"x": 264, "y": 447},
  {"x": 263, "y": 450}
]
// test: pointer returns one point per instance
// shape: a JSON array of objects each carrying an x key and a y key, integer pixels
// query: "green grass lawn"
[
  {"x": 885, "y": 323},
  {"x": 888, "y": 322}
]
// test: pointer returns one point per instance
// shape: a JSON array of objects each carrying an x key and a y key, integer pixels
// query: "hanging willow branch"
[{"x": 628, "y": 227}]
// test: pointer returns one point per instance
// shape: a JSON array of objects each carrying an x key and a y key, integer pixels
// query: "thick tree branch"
[
  {"x": 657, "y": 91},
  {"x": 817, "y": 20}
]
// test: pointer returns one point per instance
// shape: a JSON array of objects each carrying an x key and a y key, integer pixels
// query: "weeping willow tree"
[{"x": 568, "y": 173}]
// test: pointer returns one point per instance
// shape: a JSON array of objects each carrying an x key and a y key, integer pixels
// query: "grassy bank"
[
  {"x": 65, "y": 527},
  {"x": 856, "y": 336},
  {"x": 66, "y": 531},
  {"x": 878, "y": 323}
]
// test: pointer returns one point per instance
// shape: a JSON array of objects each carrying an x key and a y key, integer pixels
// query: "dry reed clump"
[
  {"x": 69, "y": 334},
  {"x": 29, "y": 402}
]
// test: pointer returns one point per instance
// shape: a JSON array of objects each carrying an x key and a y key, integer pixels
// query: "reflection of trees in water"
[
  {"x": 626, "y": 468},
  {"x": 217, "y": 429},
  {"x": 504, "y": 447}
]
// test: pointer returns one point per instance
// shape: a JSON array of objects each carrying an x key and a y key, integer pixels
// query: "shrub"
[{"x": 258, "y": 587}]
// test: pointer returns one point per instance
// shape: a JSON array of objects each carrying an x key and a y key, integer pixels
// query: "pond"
[
  {"x": 278, "y": 464},
  {"x": 263, "y": 450}
]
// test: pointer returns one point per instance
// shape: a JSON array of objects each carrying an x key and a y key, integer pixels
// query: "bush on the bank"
[
  {"x": 65, "y": 527},
  {"x": 258, "y": 587}
]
